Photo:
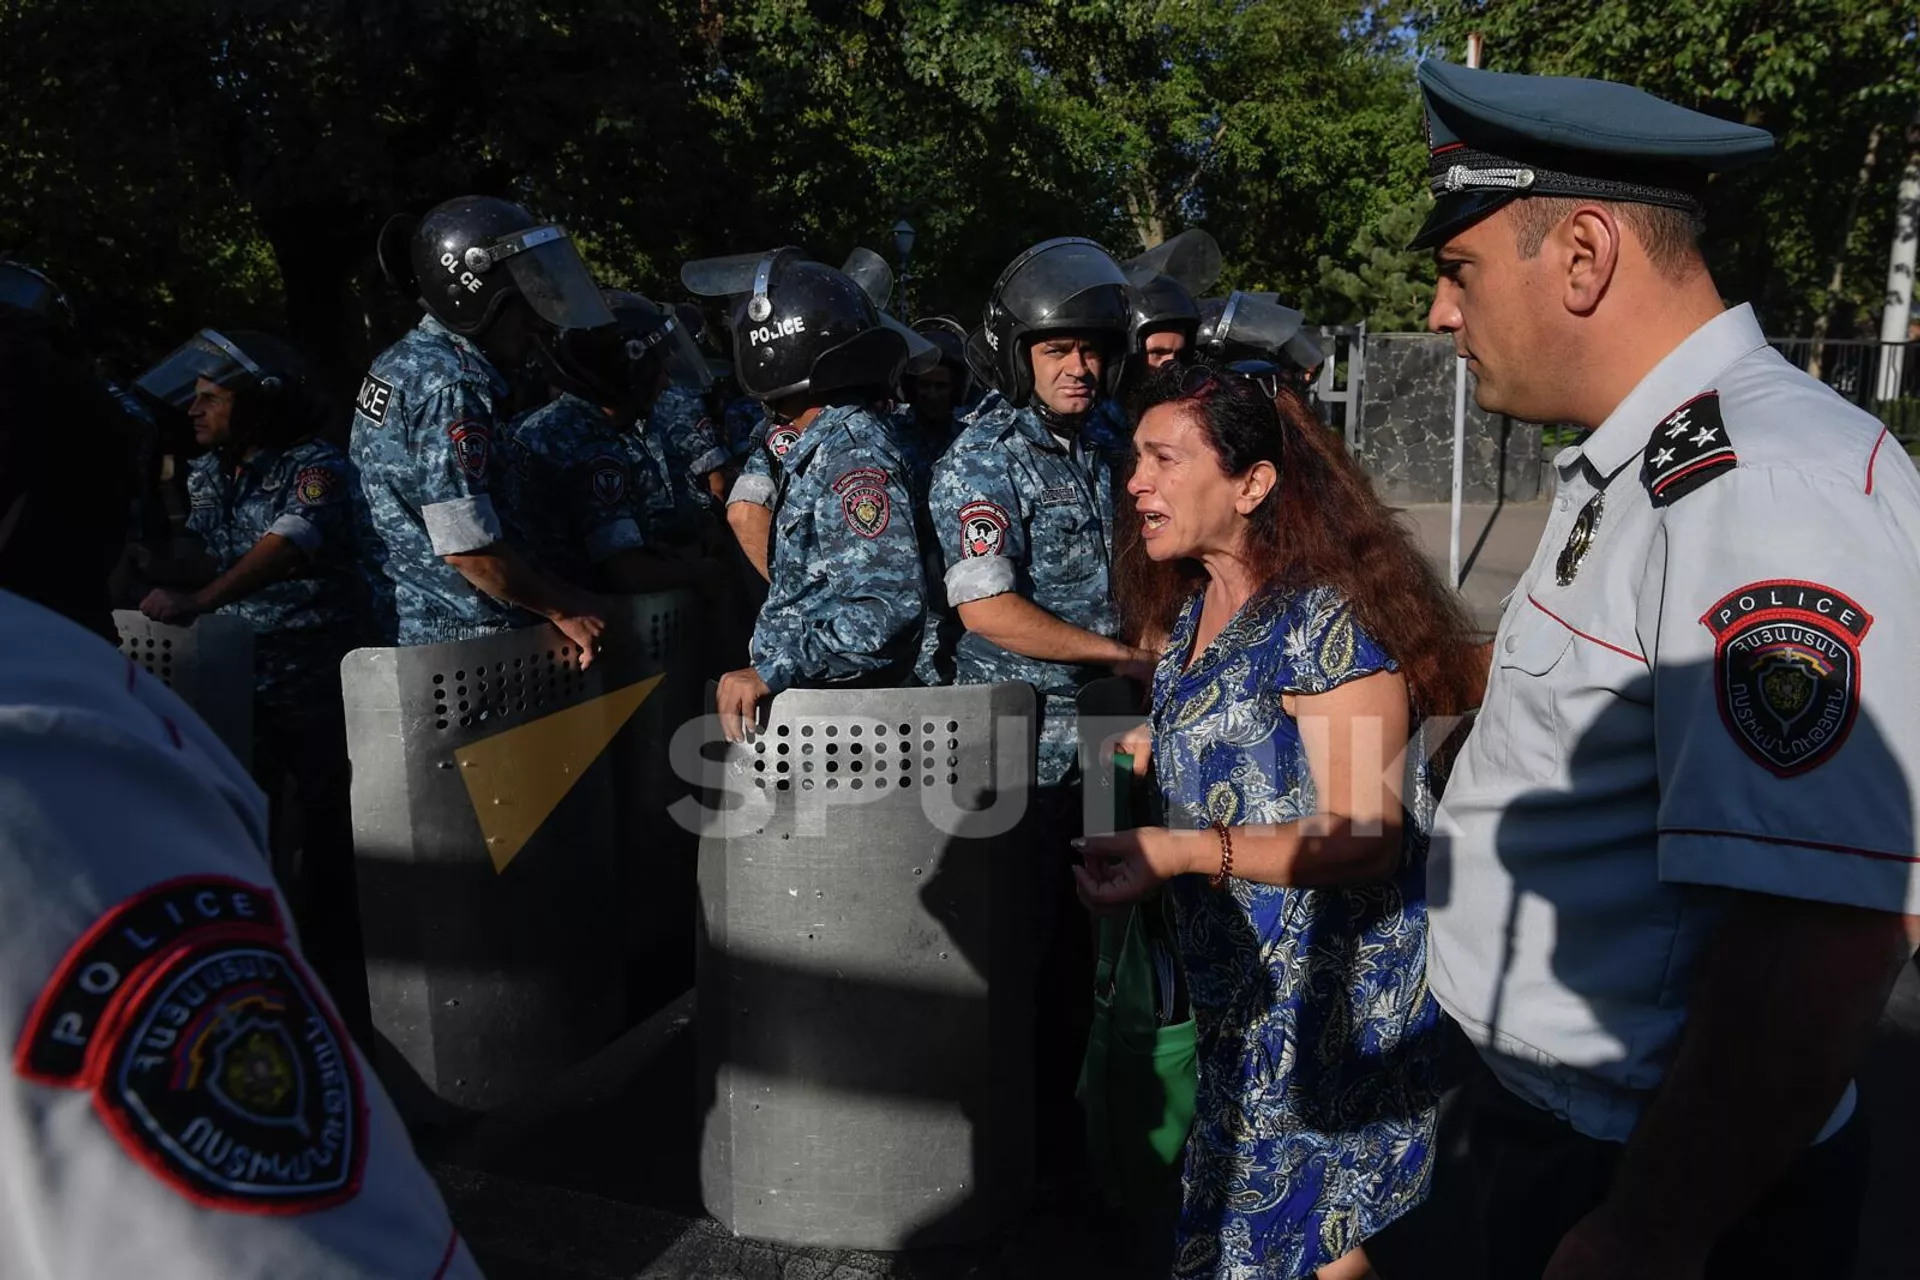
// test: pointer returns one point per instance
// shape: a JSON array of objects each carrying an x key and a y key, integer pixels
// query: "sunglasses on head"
[{"x": 1201, "y": 380}]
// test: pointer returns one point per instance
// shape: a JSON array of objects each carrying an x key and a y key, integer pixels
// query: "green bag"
[{"x": 1138, "y": 1079}]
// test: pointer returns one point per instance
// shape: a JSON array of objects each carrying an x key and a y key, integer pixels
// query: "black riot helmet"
[
  {"x": 618, "y": 366},
  {"x": 950, "y": 337},
  {"x": 268, "y": 378},
  {"x": 801, "y": 327},
  {"x": 1069, "y": 285},
  {"x": 1254, "y": 326},
  {"x": 471, "y": 254},
  {"x": 25, "y": 288},
  {"x": 1166, "y": 279}
]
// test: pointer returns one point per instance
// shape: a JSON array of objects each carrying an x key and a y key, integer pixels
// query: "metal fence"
[{"x": 1881, "y": 377}]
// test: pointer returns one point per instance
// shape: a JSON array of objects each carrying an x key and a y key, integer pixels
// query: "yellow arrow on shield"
[{"x": 519, "y": 776}]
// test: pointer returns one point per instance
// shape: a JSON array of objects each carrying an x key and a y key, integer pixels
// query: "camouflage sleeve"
[
  {"x": 701, "y": 446},
  {"x": 203, "y": 511},
  {"x": 604, "y": 502},
  {"x": 315, "y": 507},
  {"x": 975, "y": 507},
  {"x": 452, "y": 453},
  {"x": 755, "y": 484},
  {"x": 868, "y": 599}
]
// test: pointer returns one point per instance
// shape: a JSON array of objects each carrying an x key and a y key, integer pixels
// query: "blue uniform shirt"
[
  {"x": 923, "y": 447},
  {"x": 302, "y": 625},
  {"x": 662, "y": 518},
  {"x": 847, "y": 600},
  {"x": 692, "y": 445},
  {"x": 1020, "y": 510},
  {"x": 769, "y": 444},
  {"x": 566, "y": 483},
  {"x": 423, "y": 435}
]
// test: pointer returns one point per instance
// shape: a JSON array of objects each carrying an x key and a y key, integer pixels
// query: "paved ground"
[{"x": 597, "y": 1179}]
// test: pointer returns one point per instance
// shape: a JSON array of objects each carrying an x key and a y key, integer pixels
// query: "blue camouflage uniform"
[
  {"x": 302, "y": 625},
  {"x": 847, "y": 600},
  {"x": 923, "y": 447},
  {"x": 1020, "y": 510},
  {"x": 767, "y": 447},
  {"x": 423, "y": 436},
  {"x": 663, "y": 521},
  {"x": 565, "y": 479},
  {"x": 744, "y": 420},
  {"x": 1108, "y": 431},
  {"x": 679, "y": 418}
]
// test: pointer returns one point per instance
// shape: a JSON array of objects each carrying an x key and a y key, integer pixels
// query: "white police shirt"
[
  {"x": 1706, "y": 681},
  {"x": 182, "y": 1100}
]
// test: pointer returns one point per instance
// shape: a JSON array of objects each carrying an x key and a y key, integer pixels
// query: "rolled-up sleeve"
[
  {"x": 462, "y": 526},
  {"x": 976, "y": 511}
]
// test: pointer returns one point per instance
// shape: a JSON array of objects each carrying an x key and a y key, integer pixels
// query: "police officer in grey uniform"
[
  {"x": 181, "y": 1100},
  {"x": 1670, "y": 869},
  {"x": 496, "y": 283},
  {"x": 846, "y": 599}
]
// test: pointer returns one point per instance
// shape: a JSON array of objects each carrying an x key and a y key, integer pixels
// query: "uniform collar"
[
  {"x": 1690, "y": 368},
  {"x": 471, "y": 349},
  {"x": 1029, "y": 424},
  {"x": 816, "y": 431}
]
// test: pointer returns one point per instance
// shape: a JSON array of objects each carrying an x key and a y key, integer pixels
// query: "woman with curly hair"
[{"x": 1309, "y": 648}]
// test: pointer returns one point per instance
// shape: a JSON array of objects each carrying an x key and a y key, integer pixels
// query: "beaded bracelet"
[{"x": 1219, "y": 880}]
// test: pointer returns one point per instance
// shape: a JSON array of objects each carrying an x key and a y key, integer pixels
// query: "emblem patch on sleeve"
[
  {"x": 1786, "y": 669},
  {"x": 781, "y": 440},
  {"x": 212, "y": 1056},
  {"x": 609, "y": 482},
  {"x": 375, "y": 395},
  {"x": 983, "y": 529},
  {"x": 863, "y": 499},
  {"x": 315, "y": 486},
  {"x": 471, "y": 446},
  {"x": 1687, "y": 449}
]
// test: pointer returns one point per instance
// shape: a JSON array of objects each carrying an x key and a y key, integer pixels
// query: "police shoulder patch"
[
  {"x": 608, "y": 480},
  {"x": 472, "y": 446},
  {"x": 864, "y": 501},
  {"x": 1687, "y": 449},
  {"x": 211, "y": 1053},
  {"x": 316, "y": 486},
  {"x": 782, "y": 439},
  {"x": 1786, "y": 670},
  {"x": 983, "y": 529},
  {"x": 375, "y": 395}
]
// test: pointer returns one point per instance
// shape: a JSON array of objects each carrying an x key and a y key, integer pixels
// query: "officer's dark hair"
[
  {"x": 1670, "y": 236},
  {"x": 1321, "y": 526}
]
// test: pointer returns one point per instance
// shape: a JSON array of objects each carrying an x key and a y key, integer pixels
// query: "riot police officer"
[
  {"x": 590, "y": 503},
  {"x": 282, "y": 516},
  {"x": 68, "y": 458},
  {"x": 927, "y": 421},
  {"x": 1023, "y": 501},
  {"x": 496, "y": 284},
  {"x": 1166, "y": 279},
  {"x": 1255, "y": 326},
  {"x": 681, "y": 425},
  {"x": 847, "y": 601}
]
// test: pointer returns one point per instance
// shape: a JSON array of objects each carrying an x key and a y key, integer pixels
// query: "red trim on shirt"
[
  {"x": 1875, "y": 457},
  {"x": 1880, "y": 855},
  {"x": 446, "y": 1259},
  {"x": 1445, "y": 147},
  {"x": 1625, "y": 653}
]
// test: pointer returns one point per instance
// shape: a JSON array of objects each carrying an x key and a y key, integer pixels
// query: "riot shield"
[{"x": 209, "y": 665}]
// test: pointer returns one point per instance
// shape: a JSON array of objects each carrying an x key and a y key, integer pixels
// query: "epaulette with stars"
[{"x": 1688, "y": 448}]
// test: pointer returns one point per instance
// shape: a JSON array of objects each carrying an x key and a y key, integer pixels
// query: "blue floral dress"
[{"x": 1314, "y": 1122}]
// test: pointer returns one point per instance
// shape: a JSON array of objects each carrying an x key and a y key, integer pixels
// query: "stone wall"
[{"x": 1406, "y": 429}]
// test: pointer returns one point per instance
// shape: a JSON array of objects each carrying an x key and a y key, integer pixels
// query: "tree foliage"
[{"x": 176, "y": 164}]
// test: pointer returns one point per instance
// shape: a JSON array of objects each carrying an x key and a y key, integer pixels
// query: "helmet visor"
[
  {"x": 922, "y": 355},
  {"x": 208, "y": 354},
  {"x": 722, "y": 277},
  {"x": 870, "y": 271},
  {"x": 27, "y": 290},
  {"x": 1255, "y": 323},
  {"x": 685, "y": 365},
  {"x": 547, "y": 270},
  {"x": 1062, "y": 284},
  {"x": 1192, "y": 258}
]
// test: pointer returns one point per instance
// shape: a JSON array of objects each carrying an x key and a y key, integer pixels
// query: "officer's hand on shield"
[
  {"x": 738, "y": 702},
  {"x": 177, "y": 608},
  {"x": 582, "y": 620}
]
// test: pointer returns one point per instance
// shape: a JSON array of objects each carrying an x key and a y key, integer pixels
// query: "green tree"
[
  {"x": 1835, "y": 80},
  {"x": 1389, "y": 285}
]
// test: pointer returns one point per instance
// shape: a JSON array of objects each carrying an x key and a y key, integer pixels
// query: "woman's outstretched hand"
[{"x": 1122, "y": 868}]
